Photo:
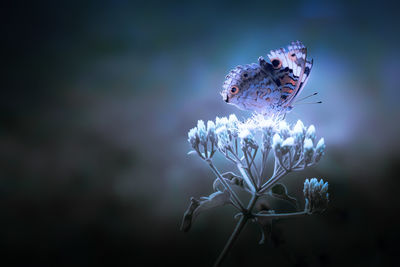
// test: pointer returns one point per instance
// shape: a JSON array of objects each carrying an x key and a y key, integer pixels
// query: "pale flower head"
[
  {"x": 287, "y": 145},
  {"x": 284, "y": 129},
  {"x": 193, "y": 137},
  {"x": 211, "y": 135},
  {"x": 299, "y": 131},
  {"x": 223, "y": 138},
  {"x": 320, "y": 149},
  {"x": 202, "y": 132},
  {"x": 308, "y": 150},
  {"x": 316, "y": 195},
  {"x": 247, "y": 139},
  {"x": 311, "y": 132}
]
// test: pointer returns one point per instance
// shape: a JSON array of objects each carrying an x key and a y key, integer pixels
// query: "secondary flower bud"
[
  {"x": 219, "y": 122},
  {"x": 233, "y": 125},
  {"x": 201, "y": 131},
  {"x": 211, "y": 135},
  {"x": 299, "y": 131},
  {"x": 284, "y": 129},
  {"x": 320, "y": 149},
  {"x": 247, "y": 139},
  {"x": 287, "y": 145},
  {"x": 193, "y": 137},
  {"x": 308, "y": 150},
  {"x": 223, "y": 138},
  {"x": 316, "y": 195},
  {"x": 311, "y": 132}
]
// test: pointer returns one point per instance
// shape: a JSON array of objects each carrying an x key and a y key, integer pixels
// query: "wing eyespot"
[
  {"x": 234, "y": 90},
  {"x": 276, "y": 63}
]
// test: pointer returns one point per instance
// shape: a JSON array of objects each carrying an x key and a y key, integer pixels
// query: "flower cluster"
[
  {"x": 295, "y": 148},
  {"x": 202, "y": 137},
  {"x": 247, "y": 145},
  {"x": 316, "y": 194}
]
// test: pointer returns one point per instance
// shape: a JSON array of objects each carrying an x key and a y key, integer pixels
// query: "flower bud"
[
  {"x": 233, "y": 125},
  {"x": 311, "y": 132},
  {"x": 277, "y": 145},
  {"x": 320, "y": 149},
  {"x": 287, "y": 145},
  {"x": 247, "y": 139},
  {"x": 201, "y": 131},
  {"x": 267, "y": 128},
  {"x": 316, "y": 195},
  {"x": 299, "y": 131},
  {"x": 284, "y": 129},
  {"x": 219, "y": 122},
  {"x": 223, "y": 138},
  {"x": 308, "y": 150},
  {"x": 193, "y": 137},
  {"x": 211, "y": 135}
]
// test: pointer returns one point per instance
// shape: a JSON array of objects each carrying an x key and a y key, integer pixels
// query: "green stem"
[
  {"x": 226, "y": 185},
  {"x": 282, "y": 215},
  {"x": 239, "y": 227}
]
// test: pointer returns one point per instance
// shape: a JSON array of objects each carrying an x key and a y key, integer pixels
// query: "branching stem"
[
  {"x": 239, "y": 227},
  {"x": 226, "y": 185}
]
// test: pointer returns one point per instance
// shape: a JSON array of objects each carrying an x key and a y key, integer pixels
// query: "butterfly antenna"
[
  {"x": 319, "y": 102},
  {"x": 301, "y": 99}
]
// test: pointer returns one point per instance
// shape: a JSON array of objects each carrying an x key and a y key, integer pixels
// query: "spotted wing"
[{"x": 291, "y": 70}]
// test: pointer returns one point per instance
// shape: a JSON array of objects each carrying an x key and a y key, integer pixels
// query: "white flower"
[
  {"x": 311, "y": 133},
  {"x": 223, "y": 138},
  {"x": 287, "y": 145},
  {"x": 267, "y": 128},
  {"x": 233, "y": 125},
  {"x": 277, "y": 144},
  {"x": 299, "y": 131},
  {"x": 219, "y": 122},
  {"x": 284, "y": 129},
  {"x": 247, "y": 139},
  {"x": 211, "y": 135},
  {"x": 202, "y": 132},
  {"x": 316, "y": 194},
  {"x": 308, "y": 150},
  {"x": 193, "y": 137},
  {"x": 320, "y": 149}
]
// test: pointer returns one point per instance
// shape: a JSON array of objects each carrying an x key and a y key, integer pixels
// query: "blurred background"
[{"x": 98, "y": 97}]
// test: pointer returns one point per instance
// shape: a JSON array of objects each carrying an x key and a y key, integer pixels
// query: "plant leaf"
[
  {"x": 234, "y": 181},
  {"x": 265, "y": 225},
  {"x": 280, "y": 191},
  {"x": 216, "y": 199}
]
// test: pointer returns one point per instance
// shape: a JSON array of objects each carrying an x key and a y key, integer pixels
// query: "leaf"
[
  {"x": 280, "y": 191},
  {"x": 265, "y": 225},
  {"x": 216, "y": 199},
  {"x": 234, "y": 181}
]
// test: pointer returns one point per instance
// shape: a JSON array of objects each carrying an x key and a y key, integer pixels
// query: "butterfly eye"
[
  {"x": 234, "y": 90},
  {"x": 276, "y": 63}
]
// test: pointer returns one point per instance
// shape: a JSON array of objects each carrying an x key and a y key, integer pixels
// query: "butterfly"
[{"x": 269, "y": 88}]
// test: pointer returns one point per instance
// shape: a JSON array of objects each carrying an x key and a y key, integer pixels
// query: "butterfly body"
[{"x": 269, "y": 87}]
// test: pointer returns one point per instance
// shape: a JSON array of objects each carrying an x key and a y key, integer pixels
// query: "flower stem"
[
  {"x": 239, "y": 227},
  {"x": 226, "y": 185},
  {"x": 283, "y": 215}
]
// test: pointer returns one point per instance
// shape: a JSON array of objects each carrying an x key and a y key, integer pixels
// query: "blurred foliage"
[{"x": 97, "y": 100}]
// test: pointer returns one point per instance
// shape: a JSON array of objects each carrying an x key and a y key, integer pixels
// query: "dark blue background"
[{"x": 97, "y": 98}]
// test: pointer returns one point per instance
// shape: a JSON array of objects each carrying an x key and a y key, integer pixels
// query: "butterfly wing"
[{"x": 291, "y": 70}]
